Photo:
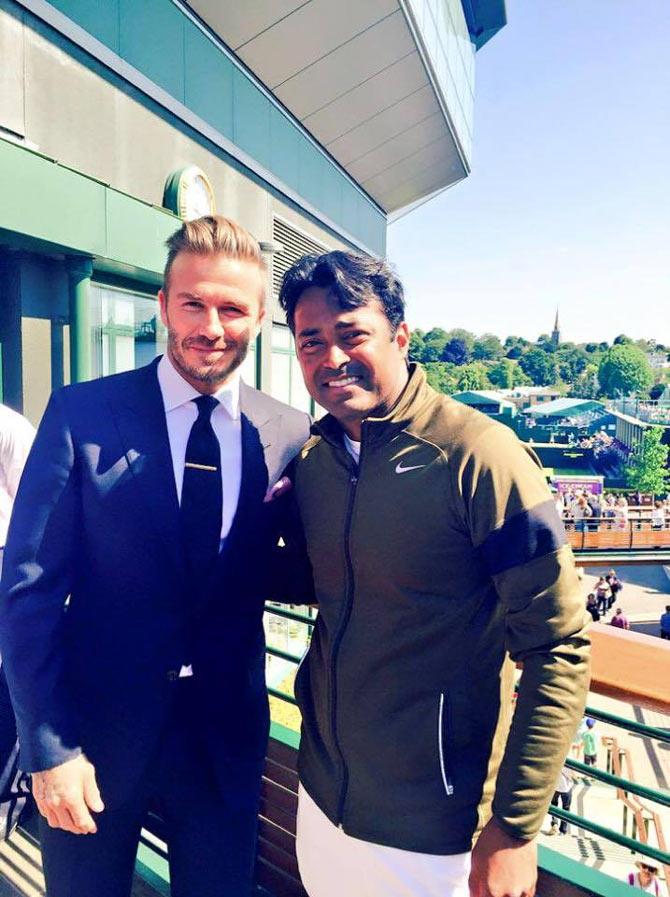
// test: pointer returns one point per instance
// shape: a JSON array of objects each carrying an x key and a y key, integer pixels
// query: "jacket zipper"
[
  {"x": 353, "y": 484},
  {"x": 446, "y": 778}
]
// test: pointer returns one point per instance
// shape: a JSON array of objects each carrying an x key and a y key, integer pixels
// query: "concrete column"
[
  {"x": 79, "y": 271},
  {"x": 10, "y": 328},
  {"x": 57, "y": 353}
]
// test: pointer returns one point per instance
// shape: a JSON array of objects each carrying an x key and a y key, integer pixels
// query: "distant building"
[
  {"x": 630, "y": 430},
  {"x": 488, "y": 402},
  {"x": 659, "y": 360},
  {"x": 556, "y": 332},
  {"x": 567, "y": 411},
  {"x": 649, "y": 412},
  {"x": 527, "y": 396}
]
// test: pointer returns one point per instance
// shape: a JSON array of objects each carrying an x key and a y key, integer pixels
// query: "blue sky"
[{"x": 568, "y": 202}]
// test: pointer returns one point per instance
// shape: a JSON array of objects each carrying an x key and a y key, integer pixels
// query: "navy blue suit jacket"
[{"x": 96, "y": 519}]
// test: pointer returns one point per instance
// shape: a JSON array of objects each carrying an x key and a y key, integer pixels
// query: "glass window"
[
  {"x": 281, "y": 376},
  {"x": 281, "y": 338},
  {"x": 126, "y": 330},
  {"x": 300, "y": 398},
  {"x": 248, "y": 366},
  {"x": 287, "y": 384}
]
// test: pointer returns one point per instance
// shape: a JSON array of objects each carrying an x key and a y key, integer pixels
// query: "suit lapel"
[
  {"x": 258, "y": 417},
  {"x": 139, "y": 415},
  {"x": 259, "y": 431}
]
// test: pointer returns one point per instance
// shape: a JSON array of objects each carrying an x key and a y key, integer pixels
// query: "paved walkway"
[
  {"x": 598, "y": 802},
  {"x": 644, "y": 597},
  {"x": 645, "y": 593}
]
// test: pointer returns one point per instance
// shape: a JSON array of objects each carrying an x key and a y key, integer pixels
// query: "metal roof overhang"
[
  {"x": 354, "y": 77},
  {"x": 485, "y": 18}
]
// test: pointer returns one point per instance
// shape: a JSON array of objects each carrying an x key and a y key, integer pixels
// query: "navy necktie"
[{"x": 202, "y": 491}]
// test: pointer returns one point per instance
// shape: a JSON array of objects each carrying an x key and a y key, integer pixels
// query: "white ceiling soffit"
[{"x": 350, "y": 73}]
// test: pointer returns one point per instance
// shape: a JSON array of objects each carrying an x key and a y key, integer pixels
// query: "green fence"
[{"x": 659, "y": 797}]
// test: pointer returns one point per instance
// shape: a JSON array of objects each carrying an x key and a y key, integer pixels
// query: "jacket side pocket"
[{"x": 442, "y": 741}]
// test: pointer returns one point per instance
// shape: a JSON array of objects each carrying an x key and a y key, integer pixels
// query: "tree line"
[{"x": 458, "y": 360}]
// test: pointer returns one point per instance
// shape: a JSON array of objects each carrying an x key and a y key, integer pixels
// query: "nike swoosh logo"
[{"x": 400, "y": 469}]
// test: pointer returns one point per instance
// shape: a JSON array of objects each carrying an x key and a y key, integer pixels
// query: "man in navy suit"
[{"x": 136, "y": 567}]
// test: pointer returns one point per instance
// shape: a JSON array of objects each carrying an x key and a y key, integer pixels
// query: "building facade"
[{"x": 313, "y": 124}]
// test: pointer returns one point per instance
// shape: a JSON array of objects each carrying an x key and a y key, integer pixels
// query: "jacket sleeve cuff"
[
  {"x": 46, "y": 750},
  {"x": 519, "y": 833}
]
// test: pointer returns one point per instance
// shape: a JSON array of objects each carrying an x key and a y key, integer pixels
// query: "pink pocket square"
[{"x": 280, "y": 488}]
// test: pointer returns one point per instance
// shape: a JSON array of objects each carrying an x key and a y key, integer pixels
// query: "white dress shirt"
[
  {"x": 353, "y": 447},
  {"x": 181, "y": 413},
  {"x": 16, "y": 437}
]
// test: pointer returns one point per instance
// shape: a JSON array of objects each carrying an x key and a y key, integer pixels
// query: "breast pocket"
[{"x": 112, "y": 473}]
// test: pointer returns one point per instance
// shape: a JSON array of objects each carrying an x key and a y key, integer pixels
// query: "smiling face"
[
  {"x": 213, "y": 310},
  {"x": 352, "y": 363}
]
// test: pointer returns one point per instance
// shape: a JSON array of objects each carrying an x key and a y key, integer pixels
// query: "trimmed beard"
[{"x": 207, "y": 374}]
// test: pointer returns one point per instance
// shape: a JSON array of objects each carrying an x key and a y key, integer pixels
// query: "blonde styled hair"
[{"x": 210, "y": 235}]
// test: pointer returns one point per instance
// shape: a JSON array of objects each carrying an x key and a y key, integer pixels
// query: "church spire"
[{"x": 556, "y": 333}]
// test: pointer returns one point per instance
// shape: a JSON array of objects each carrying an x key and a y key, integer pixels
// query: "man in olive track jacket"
[{"x": 439, "y": 560}]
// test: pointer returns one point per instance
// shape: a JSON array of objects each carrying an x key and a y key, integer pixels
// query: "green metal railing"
[
  {"x": 291, "y": 615},
  {"x": 609, "y": 834},
  {"x": 285, "y": 655},
  {"x": 630, "y": 725},
  {"x": 296, "y": 617},
  {"x": 657, "y": 796}
]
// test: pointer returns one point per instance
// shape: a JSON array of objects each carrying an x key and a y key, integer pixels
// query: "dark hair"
[{"x": 351, "y": 278}]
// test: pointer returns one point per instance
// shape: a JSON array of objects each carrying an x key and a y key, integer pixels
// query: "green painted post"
[{"x": 80, "y": 271}]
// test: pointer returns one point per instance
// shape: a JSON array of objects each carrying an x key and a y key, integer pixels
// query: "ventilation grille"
[{"x": 296, "y": 244}]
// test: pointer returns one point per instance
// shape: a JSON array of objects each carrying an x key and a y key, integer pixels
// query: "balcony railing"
[
  {"x": 639, "y": 533},
  {"x": 646, "y": 662},
  {"x": 627, "y": 666}
]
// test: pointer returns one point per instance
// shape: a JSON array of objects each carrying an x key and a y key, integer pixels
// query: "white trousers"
[{"x": 332, "y": 863}]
